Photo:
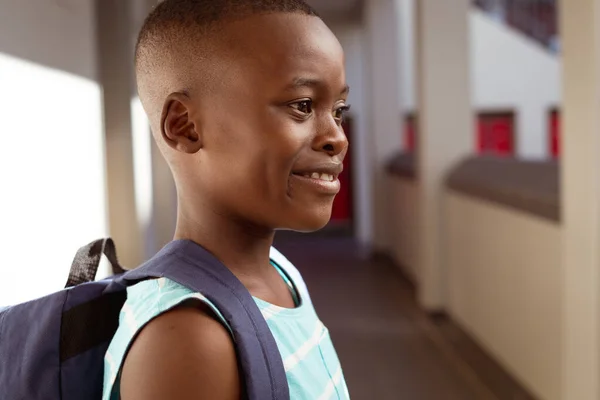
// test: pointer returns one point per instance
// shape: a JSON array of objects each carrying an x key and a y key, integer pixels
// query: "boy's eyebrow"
[{"x": 309, "y": 82}]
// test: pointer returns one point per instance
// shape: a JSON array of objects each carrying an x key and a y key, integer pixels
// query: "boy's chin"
[{"x": 310, "y": 222}]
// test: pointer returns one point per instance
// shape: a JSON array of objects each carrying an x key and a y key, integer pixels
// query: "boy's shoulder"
[{"x": 179, "y": 352}]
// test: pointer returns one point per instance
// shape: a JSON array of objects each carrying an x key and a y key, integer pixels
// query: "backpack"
[{"x": 53, "y": 348}]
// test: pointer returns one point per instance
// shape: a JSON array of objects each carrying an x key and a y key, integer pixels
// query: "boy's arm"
[{"x": 182, "y": 354}]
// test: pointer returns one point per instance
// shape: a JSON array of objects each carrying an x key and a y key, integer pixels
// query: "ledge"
[
  {"x": 402, "y": 165},
  {"x": 528, "y": 186}
]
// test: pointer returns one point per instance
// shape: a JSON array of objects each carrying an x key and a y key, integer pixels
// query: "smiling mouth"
[
  {"x": 318, "y": 181},
  {"x": 318, "y": 176}
]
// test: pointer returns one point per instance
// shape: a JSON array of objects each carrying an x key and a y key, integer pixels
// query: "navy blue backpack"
[{"x": 53, "y": 348}]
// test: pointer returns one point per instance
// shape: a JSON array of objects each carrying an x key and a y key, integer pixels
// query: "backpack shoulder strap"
[
  {"x": 190, "y": 265},
  {"x": 87, "y": 260}
]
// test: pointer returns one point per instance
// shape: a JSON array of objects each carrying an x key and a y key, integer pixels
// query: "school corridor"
[{"x": 389, "y": 347}]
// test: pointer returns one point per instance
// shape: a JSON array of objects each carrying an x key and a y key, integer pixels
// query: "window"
[{"x": 52, "y": 174}]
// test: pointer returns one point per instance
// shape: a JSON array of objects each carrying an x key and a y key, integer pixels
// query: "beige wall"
[
  {"x": 404, "y": 222},
  {"x": 504, "y": 286}
]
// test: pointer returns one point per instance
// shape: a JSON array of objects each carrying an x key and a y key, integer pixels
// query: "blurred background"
[{"x": 462, "y": 260}]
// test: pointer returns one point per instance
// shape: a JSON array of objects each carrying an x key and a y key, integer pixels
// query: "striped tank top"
[{"x": 311, "y": 364}]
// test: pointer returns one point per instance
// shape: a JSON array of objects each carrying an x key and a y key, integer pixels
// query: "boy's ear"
[{"x": 178, "y": 129}]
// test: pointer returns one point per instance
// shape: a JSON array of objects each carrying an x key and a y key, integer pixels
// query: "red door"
[
  {"x": 496, "y": 134},
  {"x": 555, "y": 133},
  {"x": 410, "y": 133}
]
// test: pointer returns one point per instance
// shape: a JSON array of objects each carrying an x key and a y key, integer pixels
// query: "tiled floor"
[{"x": 390, "y": 350}]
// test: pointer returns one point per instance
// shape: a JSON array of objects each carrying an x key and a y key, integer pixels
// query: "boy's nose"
[{"x": 331, "y": 139}]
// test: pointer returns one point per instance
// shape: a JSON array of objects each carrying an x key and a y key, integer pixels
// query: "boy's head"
[{"x": 245, "y": 99}]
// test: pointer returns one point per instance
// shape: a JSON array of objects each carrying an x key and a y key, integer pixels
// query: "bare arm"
[{"x": 183, "y": 354}]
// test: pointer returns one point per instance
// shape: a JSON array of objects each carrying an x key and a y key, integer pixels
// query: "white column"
[
  {"x": 445, "y": 125},
  {"x": 115, "y": 62},
  {"x": 383, "y": 72},
  {"x": 406, "y": 18},
  {"x": 580, "y": 196}
]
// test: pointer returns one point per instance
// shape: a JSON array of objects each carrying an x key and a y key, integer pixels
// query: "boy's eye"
[
  {"x": 304, "y": 106},
  {"x": 340, "y": 113}
]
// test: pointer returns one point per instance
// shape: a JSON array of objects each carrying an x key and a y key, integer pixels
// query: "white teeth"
[{"x": 319, "y": 176}]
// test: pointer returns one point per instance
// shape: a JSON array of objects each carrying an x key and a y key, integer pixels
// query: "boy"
[{"x": 245, "y": 100}]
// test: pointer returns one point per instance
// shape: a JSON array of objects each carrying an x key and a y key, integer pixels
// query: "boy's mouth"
[
  {"x": 328, "y": 172},
  {"x": 323, "y": 177},
  {"x": 317, "y": 175}
]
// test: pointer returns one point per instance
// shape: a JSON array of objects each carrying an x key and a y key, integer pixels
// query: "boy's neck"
[{"x": 242, "y": 249}]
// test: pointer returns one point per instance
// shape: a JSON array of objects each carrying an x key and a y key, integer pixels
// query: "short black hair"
[{"x": 204, "y": 14}]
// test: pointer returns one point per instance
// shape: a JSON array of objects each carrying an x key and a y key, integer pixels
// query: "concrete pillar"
[
  {"x": 580, "y": 197},
  {"x": 115, "y": 55},
  {"x": 445, "y": 125},
  {"x": 382, "y": 38},
  {"x": 406, "y": 17}
]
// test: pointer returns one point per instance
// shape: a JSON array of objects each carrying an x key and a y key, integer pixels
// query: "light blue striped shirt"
[{"x": 311, "y": 364}]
